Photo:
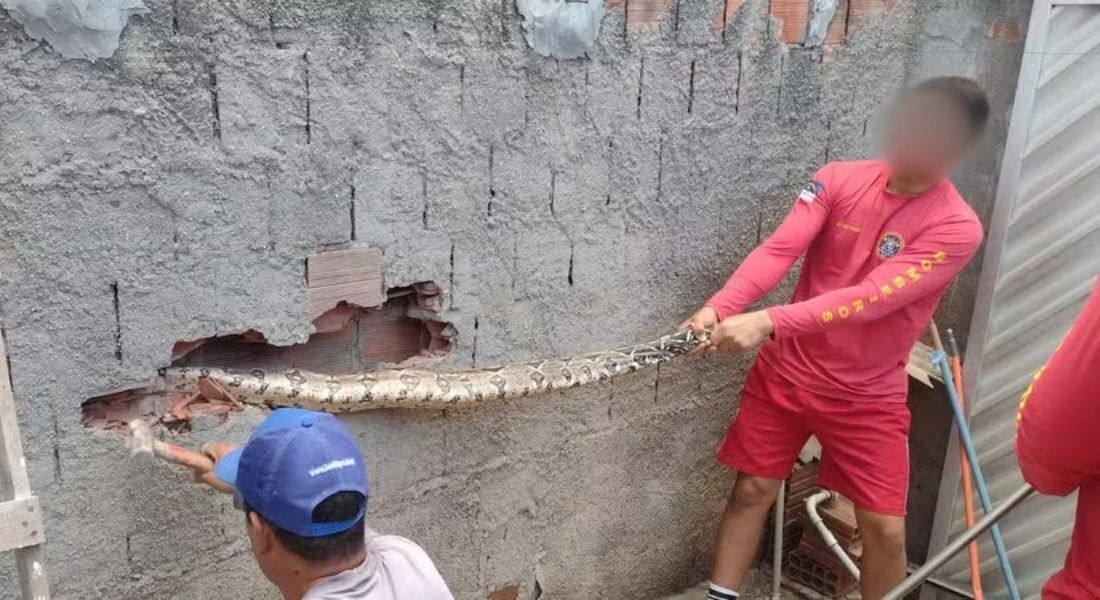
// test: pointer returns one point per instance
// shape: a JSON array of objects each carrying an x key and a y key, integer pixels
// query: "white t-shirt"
[{"x": 395, "y": 569}]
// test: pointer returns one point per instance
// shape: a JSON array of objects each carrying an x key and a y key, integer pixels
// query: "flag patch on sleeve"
[{"x": 810, "y": 192}]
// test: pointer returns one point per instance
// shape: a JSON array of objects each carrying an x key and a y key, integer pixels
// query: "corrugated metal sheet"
[{"x": 1042, "y": 258}]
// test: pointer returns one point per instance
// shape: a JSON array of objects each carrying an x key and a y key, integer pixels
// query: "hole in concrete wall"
[{"x": 348, "y": 339}]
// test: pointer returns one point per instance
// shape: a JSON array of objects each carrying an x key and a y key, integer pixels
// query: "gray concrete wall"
[{"x": 173, "y": 191}]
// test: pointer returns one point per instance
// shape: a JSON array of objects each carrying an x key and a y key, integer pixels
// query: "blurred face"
[{"x": 928, "y": 135}]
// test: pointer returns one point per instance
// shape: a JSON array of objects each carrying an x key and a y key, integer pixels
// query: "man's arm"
[
  {"x": 928, "y": 263},
  {"x": 1060, "y": 412},
  {"x": 766, "y": 265}
]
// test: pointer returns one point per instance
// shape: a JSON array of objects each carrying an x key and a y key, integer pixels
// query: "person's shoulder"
[
  {"x": 957, "y": 212},
  {"x": 394, "y": 543},
  {"x": 846, "y": 169}
]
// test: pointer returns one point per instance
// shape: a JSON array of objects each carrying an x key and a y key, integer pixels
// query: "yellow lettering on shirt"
[
  {"x": 940, "y": 256},
  {"x": 887, "y": 291},
  {"x": 899, "y": 282},
  {"x": 872, "y": 299},
  {"x": 827, "y": 316},
  {"x": 926, "y": 265},
  {"x": 912, "y": 273},
  {"x": 858, "y": 305},
  {"x": 843, "y": 312}
]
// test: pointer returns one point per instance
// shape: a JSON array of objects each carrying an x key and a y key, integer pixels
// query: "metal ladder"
[{"x": 21, "y": 526}]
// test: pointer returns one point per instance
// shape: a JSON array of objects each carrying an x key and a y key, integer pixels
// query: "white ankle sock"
[{"x": 717, "y": 592}]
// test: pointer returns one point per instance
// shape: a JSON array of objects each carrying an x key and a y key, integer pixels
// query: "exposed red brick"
[
  {"x": 645, "y": 14},
  {"x": 793, "y": 16},
  {"x": 1009, "y": 31},
  {"x": 352, "y": 275},
  {"x": 726, "y": 13},
  {"x": 861, "y": 10},
  {"x": 181, "y": 349},
  {"x": 510, "y": 592},
  {"x": 335, "y": 319},
  {"x": 348, "y": 340}
]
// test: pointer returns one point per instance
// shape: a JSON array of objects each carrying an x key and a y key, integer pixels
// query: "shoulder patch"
[{"x": 810, "y": 192}]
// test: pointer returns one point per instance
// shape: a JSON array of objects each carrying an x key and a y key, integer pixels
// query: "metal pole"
[
  {"x": 958, "y": 544},
  {"x": 777, "y": 546},
  {"x": 939, "y": 358}
]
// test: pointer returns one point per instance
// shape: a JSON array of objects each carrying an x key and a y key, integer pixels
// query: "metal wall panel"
[{"x": 1042, "y": 258}]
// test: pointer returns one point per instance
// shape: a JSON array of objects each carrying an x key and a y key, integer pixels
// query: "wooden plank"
[
  {"x": 14, "y": 463},
  {"x": 20, "y": 524},
  {"x": 20, "y": 519}
]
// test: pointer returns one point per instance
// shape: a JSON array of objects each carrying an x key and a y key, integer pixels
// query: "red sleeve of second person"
[{"x": 1059, "y": 416}]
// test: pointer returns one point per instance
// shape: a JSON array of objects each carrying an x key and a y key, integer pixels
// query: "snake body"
[{"x": 421, "y": 388}]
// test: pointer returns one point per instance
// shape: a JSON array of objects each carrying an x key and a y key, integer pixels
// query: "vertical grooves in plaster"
[
  {"x": 691, "y": 87},
  {"x": 351, "y": 212},
  {"x": 214, "y": 103},
  {"x": 56, "y": 445},
  {"x": 175, "y": 239},
  {"x": 660, "y": 164},
  {"x": 847, "y": 20},
  {"x": 118, "y": 321},
  {"x": 424, "y": 197},
  {"x": 515, "y": 264},
  {"x": 572, "y": 255},
  {"x": 553, "y": 185},
  {"x": 492, "y": 190},
  {"x": 779, "y": 90},
  {"x": 473, "y": 354},
  {"x": 462, "y": 89},
  {"x": 828, "y": 138},
  {"x": 725, "y": 22},
  {"x": 641, "y": 83},
  {"x": 626, "y": 18},
  {"x": 610, "y": 166},
  {"x": 759, "y": 227},
  {"x": 451, "y": 278},
  {"x": 657, "y": 385},
  {"x": 737, "y": 85},
  {"x": 175, "y": 16},
  {"x": 309, "y": 117},
  {"x": 676, "y": 17}
]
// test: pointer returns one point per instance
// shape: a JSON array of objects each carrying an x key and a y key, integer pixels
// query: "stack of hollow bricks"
[{"x": 808, "y": 563}]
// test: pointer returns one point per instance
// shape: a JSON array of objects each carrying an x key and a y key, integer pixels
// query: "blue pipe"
[{"x": 938, "y": 357}]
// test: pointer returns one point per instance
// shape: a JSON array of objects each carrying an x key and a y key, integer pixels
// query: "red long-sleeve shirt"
[
  {"x": 1056, "y": 444},
  {"x": 876, "y": 265}
]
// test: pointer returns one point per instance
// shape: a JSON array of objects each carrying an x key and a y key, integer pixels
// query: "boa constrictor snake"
[{"x": 421, "y": 388}]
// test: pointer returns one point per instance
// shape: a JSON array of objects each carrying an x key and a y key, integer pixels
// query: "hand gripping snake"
[{"x": 421, "y": 388}]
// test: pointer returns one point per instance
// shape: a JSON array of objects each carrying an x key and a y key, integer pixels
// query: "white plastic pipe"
[
  {"x": 830, "y": 539},
  {"x": 777, "y": 547}
]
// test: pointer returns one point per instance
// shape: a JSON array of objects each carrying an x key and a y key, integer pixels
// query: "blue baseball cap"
[{"x": 291, "y": 463}]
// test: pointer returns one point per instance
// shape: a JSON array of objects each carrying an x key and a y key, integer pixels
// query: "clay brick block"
[
  {"x": 643, "y": 15},
  {"x": 794, "y": 16},
  {"x": 725, "y": 16},
  {"x": 353, "y": 275},
  {"x": 1008, "y": 31},
  {"x": 510, "y": 592},
  {"x": 391, "y": 338},
  {"x": 861, "y": 10}
]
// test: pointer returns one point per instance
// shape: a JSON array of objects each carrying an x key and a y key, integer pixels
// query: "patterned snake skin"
[{"x": 418, "y": 388}]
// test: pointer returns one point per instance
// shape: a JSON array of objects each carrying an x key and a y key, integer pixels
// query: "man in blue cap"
[{"x": 302, "y": 484}]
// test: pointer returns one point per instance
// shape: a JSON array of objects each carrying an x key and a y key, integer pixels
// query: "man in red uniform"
[
  {"x": 1056, "y": 444},
  {"x": 882, "y": 240}
]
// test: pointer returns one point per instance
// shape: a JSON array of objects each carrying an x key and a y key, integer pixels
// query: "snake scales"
[{"x": 421, "y": 388}]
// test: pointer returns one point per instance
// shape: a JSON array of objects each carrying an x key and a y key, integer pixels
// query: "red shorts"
[{"x": 865, "y": 445}]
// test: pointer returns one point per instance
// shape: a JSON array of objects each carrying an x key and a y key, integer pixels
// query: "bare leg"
[
  {"x": 884, "y": 562},
  {"x": 742, "y": 524}
]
